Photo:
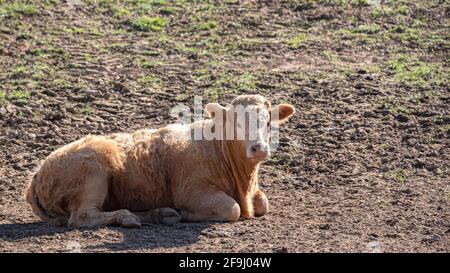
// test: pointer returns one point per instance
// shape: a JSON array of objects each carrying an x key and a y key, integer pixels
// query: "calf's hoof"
[
  {"x": 168, "y": 216},
  {"x": 129, "y": 220},
  {"x": 59, "y": 221}
]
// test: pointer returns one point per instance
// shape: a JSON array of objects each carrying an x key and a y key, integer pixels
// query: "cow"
[{"x": 160, "y": 176}]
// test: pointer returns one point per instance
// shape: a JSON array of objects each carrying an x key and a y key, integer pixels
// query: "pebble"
[
  {"x": 374, "y": 246},
  {"x": 281, "y": 250},
  {"x": 431, "y": 239}
]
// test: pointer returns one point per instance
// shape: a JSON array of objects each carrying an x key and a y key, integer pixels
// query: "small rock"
[
  {"x": 333, "y": 212},
  {"x": 406, "y": 191},
  {"x": 280, "y": 250},
  {"x": 94, "y": 119},
  {"x": 73, "y": 246},
  {"x": 71, "y": 110},
  {"x": 86, "y": 234},
  {"x": 359, "y": 85},
  {"x": 55, "y": 116},
  {"x": 361, "y": 71},
  {"x": 50, "y": 93},
  {"x": 402, "y": 118},
  {"x": 120, "y": 87},
  {"x": 419, "y": 163},
  {"x": 374, "y": 246},
  {"x": 369, "y": 114},
  {"x": 92, "y": 92},
  {"x": 431, "y": 239},
  {"x": 54, "y": 142},
  {"x": 391, "y": 222}
]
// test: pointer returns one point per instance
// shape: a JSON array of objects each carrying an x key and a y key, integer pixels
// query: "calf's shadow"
[{"x": 147, "y": 237}]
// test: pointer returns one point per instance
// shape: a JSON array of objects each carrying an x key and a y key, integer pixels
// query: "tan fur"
[{"x": 101, "y": 179}]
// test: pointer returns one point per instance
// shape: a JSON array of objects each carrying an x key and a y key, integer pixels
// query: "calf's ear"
[
  {"x": 282, "y": 112},
  {"x": 213, "y": 108}
]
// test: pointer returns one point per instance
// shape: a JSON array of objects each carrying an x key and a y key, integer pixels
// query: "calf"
[{"x": 161, "y": 176}]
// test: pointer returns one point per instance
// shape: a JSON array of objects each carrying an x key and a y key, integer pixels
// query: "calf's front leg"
[
  {"x": 260, "y": 203},
  {"x": 211, "y": 206}
]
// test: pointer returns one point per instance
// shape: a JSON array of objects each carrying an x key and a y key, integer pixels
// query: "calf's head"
[{"x": 247, "y": 121}]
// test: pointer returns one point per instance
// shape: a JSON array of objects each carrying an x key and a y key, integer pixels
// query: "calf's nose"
[{"x": 260, "y": 149}]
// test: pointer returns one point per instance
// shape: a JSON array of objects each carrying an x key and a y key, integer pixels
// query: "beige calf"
[{"x": 157, "y": 176}]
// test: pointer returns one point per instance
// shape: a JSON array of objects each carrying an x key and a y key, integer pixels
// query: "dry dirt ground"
[{"x": 362, "y": 167}]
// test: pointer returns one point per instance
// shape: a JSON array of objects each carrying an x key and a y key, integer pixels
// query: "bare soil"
[{"x": 364, "y": 166}]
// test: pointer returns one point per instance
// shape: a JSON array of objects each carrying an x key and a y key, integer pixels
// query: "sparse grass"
[
  {"x": 19, "y": 96},
  {"x": 363, "y": 34},
  {"x": 150, "y": 82},
  {"x": 19, "y": 71},
  {"x": 164, "y": 39},
  {"x": 372, "y": 69},
  {"x": 406, "y": 35},
  {"x": 189, "y": 50},
  {"x": 36, "y": 117},
  {"x": 247, "y": 82},
  {"x": 297, "y": 41},
  {"x": 119, "y": 12},
  {"x": 147, "y": 63},
  {"x": 412, "y": 72},
  {"x": 444, "y": 129},
  {"x": 361, "y": 30},
  {"x": 87, "y": 110},
  {"x": 109, "y": 7},
  {"x": 40, "y": 71},
  {"x": 61, "y": 83},
  {"x": 90, "y": 58},
  {"x": 396, "y": 105},
  {"x": 168, "y": 10},
  {"x": 148, "y": 24},
  {"x": 17, "y": 8},
  {"x": 382, "y": 11},
  {"x": 50, "y": 52},
  {"x": 331, "y": 56},
  {"x": 214, "y": 93},
  {"x": 402, "y": 9},
  {"x": 74, "y": 30},
  {"x": 39, "y": 75},
  {"x": 342, "y": 2},
  {"x": 146, "y": 79},
  {"x": 397, "y": 175},
  {"x": 147, "y": 2},
  {"x": 2, "y": 97},
  {"x": 119, "y": 47},
  {"x": 367, "y": 29},
  {"x": 207, "y": 25}
]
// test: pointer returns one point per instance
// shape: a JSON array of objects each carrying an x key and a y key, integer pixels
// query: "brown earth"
[{"x": 362, "y": 167}]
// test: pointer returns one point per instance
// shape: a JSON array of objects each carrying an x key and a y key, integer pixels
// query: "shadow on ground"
[
  {"x": 156, "y": 237},
  {"x": 147, "y": 237},
  {"x": 17, "y": 232}
]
